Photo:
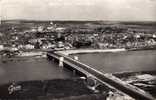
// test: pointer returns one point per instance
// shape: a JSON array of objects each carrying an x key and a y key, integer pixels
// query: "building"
[
  {"x": 29, "y": 46},
  {"x": 1, "y": 47}
]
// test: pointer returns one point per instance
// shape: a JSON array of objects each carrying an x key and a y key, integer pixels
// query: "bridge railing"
[{"x": 107, "y": 78}]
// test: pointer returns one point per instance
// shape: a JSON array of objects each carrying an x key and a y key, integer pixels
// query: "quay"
[
  {"x": 108, "y": 79},
  {"x": 79, "y": 51}
]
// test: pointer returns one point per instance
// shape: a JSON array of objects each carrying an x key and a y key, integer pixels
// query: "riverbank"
[
  {"x": 143, "y": 48},
  {"x": 24, "y": 56},
  {"x": 80, "y": 51},
  {"x": 145, "y": 80},
  {"x": 32, "y": 53},
  {"x": 21, "y": 58}
]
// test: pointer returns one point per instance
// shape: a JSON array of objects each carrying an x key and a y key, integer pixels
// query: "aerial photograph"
[{"x": 77, "y": 49}]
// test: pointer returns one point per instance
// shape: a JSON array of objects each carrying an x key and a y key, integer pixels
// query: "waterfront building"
[
  {"x": 29, "y": 46},
  {"x": 1, "y": 47},
  {"x": 154, "y": 36},
  {"x": 40, "y": 29},
  {"x": 1, "y": 34}
]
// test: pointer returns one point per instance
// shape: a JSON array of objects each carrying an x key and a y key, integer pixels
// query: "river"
[
  {"x": 42, "y": 69},
  {"x": 31, "y": 69},
  {"x": 121, "y": 61}
]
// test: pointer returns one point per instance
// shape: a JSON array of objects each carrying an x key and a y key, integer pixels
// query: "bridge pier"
[
  {"x": 92, "y": 83},
  {"x": 104, "y": 79},
  {"x": 74, "y": 72},
  {"x": 61, "y": 60}
]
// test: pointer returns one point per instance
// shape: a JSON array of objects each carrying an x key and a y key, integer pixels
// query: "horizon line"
[{"x": 79, "y": 20}]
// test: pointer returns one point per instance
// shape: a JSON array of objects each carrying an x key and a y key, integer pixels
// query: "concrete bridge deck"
[{"x": 109, "y": 79}]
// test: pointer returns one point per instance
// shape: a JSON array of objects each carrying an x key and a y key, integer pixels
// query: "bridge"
[{"x": 108, "y": 79}]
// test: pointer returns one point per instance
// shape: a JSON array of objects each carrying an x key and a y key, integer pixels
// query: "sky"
[{"x": 118, "y": 10}]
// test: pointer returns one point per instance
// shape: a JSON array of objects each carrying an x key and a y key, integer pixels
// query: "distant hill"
[{"x": 148, "y": 26}]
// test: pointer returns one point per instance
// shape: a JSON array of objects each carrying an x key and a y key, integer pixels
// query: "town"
[{"x": 17, "y": 37}]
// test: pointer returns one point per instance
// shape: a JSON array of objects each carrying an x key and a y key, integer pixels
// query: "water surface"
[
  {"x": 30, "y": 69},
  {"x": 121, "y": 61}
]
